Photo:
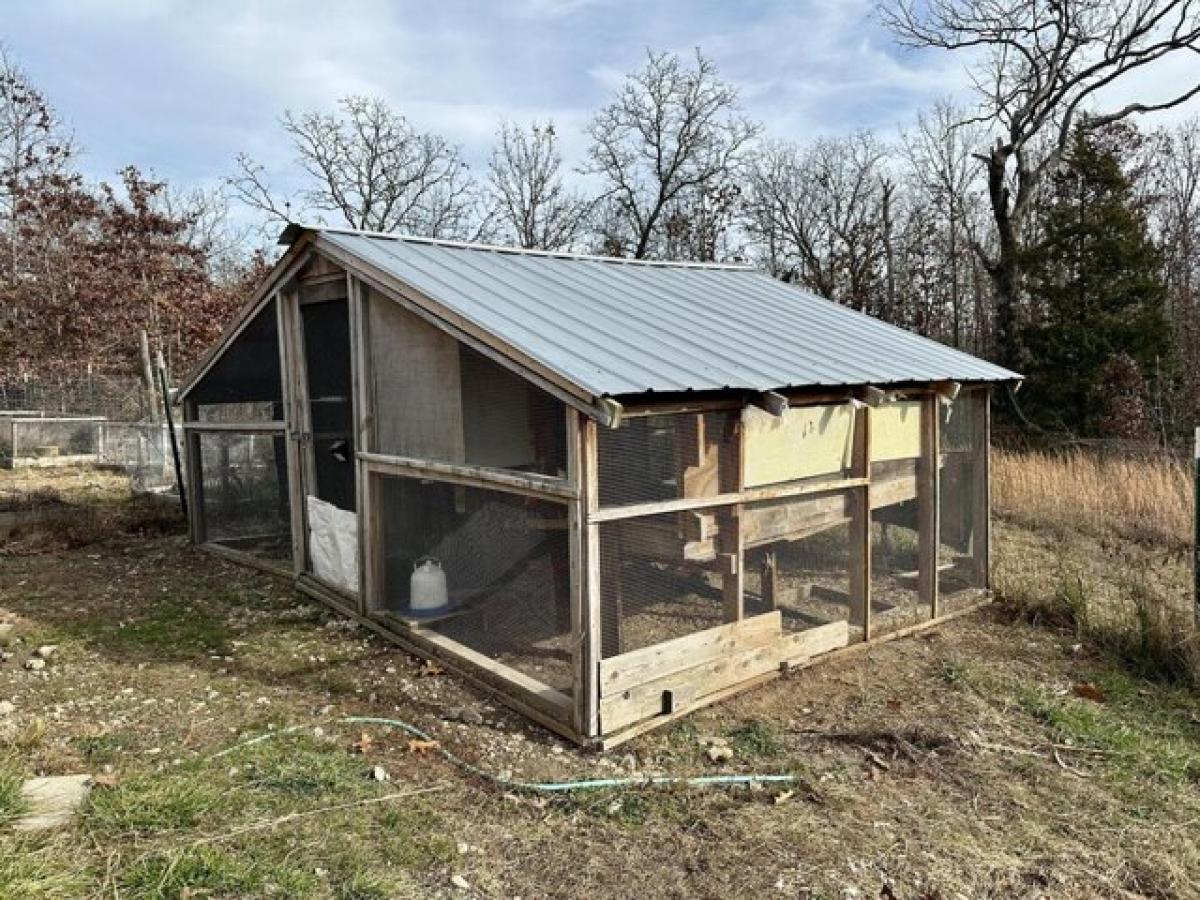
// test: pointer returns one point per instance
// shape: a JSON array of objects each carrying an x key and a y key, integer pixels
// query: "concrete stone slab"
[{"x": 52, "y": 800}]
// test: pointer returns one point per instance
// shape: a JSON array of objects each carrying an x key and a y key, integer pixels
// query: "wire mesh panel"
[
  {"x": 44, "y": 439},
  {"x": 244, "y": 493},
  {"x": 667, "y": 457},
  {"x": 896, "y": 500},
  {"x": 6, "y": 441},
  {"x": 800, "y": 554},
  {"x": 660, "y": 578},
  {"x": 244, "y": 383},
  {"x": 964, "y": 499},
  {"x": 326, "y": 327},
  {"x": 142, "y": 449},
  {"x": 499, "y": 568},
  {"x": 438, "y": 399}
]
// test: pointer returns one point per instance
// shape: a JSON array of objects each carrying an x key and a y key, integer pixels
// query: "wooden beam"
[
  {"x": 620, "y": 673},
  {"x": 242, "y": 427},
  {"x": 860, "y": 525},
  {"x": 474, "y": 476},
  {"x": 981, "y": 505},
  {"x": 928, "y": 505},
  {"x": 612, "y": 740},
  {"x": 803, "y": 488},
  {"x": 647, "y": 699},
  {"x": 577, "y": 555},
  {"x": 592, "y": 625}
]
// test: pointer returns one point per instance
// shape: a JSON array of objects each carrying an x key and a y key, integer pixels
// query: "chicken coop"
[{"x": 611, "y": 491}]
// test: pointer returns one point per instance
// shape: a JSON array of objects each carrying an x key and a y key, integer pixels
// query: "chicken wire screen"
[
  {"x": 244, "y": 493},
  {"x": 244, "y": 383},
  {"x": 660, "y": 578},
  {"x": 963, "y": 503},
  {"x": 503, "y": 559},
  {"x": 435, "y": 398},
  {"x": 667, "y": 457},
  {"x": 47, "y": 438},
  {"x": 798, "y": 559}
]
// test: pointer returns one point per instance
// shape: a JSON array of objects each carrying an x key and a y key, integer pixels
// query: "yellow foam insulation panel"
[
  {"x": 804, "y": 442},
  {"x": 896, "y": 431}
]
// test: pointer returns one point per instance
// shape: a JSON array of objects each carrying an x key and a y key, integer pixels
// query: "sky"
[{"x": 179, "y": 88}]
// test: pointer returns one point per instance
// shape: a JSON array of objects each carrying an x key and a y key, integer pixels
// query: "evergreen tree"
[{"x": 1097, "y": 320}]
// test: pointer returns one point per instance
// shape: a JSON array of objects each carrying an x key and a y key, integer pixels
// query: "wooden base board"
[
  {"x": 502, "y": 691},
  {"x": 608, "y": 742}
]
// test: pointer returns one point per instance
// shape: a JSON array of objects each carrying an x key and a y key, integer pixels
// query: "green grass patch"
[
  {"x": 167, "y": 629},
  {"x": 30, "y": 870},
  {"x": 200, "y": 871},
  {"x": 12, "y": 804},
  {"x": 1134, "y": 736},
  {"x": 297, "y": 766},
  {"x": 755, "y": 738},
  {"x": 154, "y": 804}
]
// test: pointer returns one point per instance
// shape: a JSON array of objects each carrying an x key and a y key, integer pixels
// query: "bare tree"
[
  {"x": 672, "y": 129},
  {"x": 372, "y": 168},
  {"x": 531, "y": 204},
  {"x": 945, "y": 178},
  {"x": 820, "y": 215},
  {"x": 1045, "y": 69}
]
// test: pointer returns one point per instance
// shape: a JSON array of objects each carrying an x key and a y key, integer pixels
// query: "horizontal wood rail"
[
  {"x": 754, "y": 495},
  {"x": 243, "y": 427},
  {"x": 473, "y": 476}
]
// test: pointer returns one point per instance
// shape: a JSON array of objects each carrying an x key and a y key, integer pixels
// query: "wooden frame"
[{"x": 615, "y": 698}]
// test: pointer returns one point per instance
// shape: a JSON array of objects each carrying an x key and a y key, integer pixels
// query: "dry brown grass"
[
  {"x": 1118, "y": 575},
  {"x": 1148, "y": 500}
]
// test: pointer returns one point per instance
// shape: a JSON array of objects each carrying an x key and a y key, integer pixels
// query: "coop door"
[{"x": 330, "y": 513}]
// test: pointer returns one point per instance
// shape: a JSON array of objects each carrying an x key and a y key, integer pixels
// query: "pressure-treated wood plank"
[
  {"x": 688, "y": 686},
  {"x": 805, "y": 442},
  {"x": 473, "y": 476},
  {"x": 593, "y": 621},
  {"x": 620, "y": 673},
  {"x": 928, "y": 531},
  {"x": 860, "y": 525}
]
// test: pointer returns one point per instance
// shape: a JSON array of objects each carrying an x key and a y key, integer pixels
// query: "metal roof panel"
[{"x": 615, "y": 327}]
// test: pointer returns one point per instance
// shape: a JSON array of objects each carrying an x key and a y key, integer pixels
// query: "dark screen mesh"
[
  {"x": 659, "y": 579},
  {"x": 33, "y": 438},
  {"x": 506, "y": 565},
  {"x": 799, "y": 554},
  {"x": 244, "y": 493},
  {"x": 963, "y": 510},
  {"x": 895, "y": 549},
  {"x": 437, "y": 399},
  {"x": 244, "y": 383},
  {"x": 327, "y": 361},
  {"x": 653, "y": 458}
]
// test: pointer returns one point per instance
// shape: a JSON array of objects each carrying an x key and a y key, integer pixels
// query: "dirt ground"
[{"x": 987, "y": 758}]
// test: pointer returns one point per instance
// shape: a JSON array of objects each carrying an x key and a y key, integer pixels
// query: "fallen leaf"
[
  {"x": 363, "y": 744},
  {"x": 417, "y": 746},
  {"x": 1089, "y": 692},
  {"x": 784, "y": 797}
]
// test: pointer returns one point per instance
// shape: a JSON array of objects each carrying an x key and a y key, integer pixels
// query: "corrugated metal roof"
[{"x": 615, "y": 327}]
